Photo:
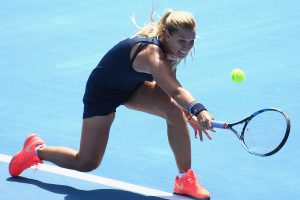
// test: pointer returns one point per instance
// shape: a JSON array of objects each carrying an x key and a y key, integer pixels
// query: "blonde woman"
[{"x": 140, "y": 73}]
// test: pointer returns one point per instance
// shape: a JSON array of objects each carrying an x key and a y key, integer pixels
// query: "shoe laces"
[
  {"x": 193, "y": 183},
  {"x": 36, "y": 167}
]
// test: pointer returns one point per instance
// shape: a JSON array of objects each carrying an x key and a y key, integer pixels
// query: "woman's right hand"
[{"x": 205, "y": 119}]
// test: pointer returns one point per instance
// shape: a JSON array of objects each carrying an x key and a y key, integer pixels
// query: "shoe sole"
[
  {"x": 28, "y": 140},
  {"x": 192, "y": 197}
]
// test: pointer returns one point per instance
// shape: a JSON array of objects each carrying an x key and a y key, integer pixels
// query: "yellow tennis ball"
[{"x": 237, "y": 75}]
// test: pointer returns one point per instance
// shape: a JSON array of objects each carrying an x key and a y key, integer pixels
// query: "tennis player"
[{"x": 140, "y": 73}]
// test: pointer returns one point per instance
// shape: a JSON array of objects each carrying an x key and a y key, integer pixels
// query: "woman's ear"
[{"x": 167, "y": 35}]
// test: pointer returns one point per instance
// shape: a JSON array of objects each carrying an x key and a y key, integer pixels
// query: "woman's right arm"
[{"x": 155, "y": 62}]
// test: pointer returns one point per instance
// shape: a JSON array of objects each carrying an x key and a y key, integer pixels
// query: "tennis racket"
[{"x": 263, "y": 133}]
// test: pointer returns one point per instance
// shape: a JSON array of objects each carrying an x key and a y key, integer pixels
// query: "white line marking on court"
[{"x": 103, "y": 181}]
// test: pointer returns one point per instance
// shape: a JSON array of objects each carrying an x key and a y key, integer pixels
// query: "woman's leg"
[
  {"x": 94, "y": 137},
  {"x": 151, "y": 99}
]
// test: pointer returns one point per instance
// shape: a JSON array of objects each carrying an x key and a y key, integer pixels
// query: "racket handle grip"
[{"x": 218, "y": 124}]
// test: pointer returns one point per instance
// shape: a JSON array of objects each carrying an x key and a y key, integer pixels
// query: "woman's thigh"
[
  {"x": 94, "y": 138},
  {"x": 152, "y": 99}
]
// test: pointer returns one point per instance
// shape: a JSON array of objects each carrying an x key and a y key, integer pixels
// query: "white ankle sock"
[
  {"x": 37, "y": 147},
  {"x": 182, "y": 174}
]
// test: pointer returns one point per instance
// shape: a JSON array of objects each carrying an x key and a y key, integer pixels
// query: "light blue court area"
[{"x": 49, "y": 48}]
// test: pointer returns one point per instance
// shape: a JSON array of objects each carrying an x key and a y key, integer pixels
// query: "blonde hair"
[{"x": 171, "y": 21}]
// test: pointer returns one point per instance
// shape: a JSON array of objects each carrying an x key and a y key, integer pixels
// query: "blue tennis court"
[{"x": 49, "y": 48}]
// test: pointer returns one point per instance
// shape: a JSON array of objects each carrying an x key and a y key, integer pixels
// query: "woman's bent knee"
[
  {"x": 173, "y": 112},
  {"x": 88, "y": 166}
]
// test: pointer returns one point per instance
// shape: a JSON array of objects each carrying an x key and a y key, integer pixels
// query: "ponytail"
[{"x": 171, "y": 21}]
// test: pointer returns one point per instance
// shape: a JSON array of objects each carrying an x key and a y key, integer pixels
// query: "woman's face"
[{"x": 181, "y": 42}]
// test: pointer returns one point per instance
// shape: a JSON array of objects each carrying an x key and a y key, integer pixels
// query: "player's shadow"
[{"x": 77, "y": 194}]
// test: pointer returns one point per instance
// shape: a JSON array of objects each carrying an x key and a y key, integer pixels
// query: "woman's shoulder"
[{"x": 148, "y": 40}]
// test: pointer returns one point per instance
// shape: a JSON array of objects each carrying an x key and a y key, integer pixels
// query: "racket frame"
[{"x": 245, "y": 121}]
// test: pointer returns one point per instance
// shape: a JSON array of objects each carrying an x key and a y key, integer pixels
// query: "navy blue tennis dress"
[{"x": 114, "y": 80}]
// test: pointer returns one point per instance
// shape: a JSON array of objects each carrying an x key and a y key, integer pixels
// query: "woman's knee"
[
  {"x": 173, "y": 111},
  {"x": 87, "y": 165}
]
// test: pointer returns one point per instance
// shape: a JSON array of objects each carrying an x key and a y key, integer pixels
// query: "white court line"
[{"x": 103, "y": 181}]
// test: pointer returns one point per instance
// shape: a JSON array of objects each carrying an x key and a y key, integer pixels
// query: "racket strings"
[{"x": 265, "y": 132}]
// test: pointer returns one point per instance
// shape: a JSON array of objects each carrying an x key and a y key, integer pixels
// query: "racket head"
[{"x": 264, "y": 132}]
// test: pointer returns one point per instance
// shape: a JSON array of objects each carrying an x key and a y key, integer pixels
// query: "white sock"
[
  {"x": 182, "y": 174},
  {"x": 37, "y": 147}
]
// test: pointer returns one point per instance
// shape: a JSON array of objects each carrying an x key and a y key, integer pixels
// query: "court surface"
[{"x": 48, "y": 49}]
